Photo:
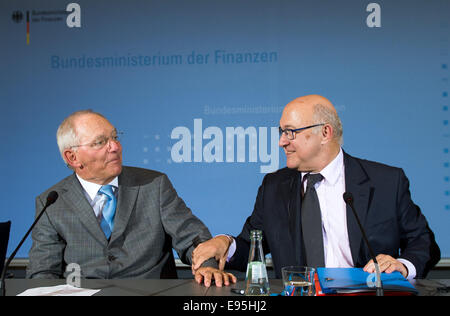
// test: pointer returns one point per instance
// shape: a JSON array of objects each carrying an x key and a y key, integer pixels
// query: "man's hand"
[
  {"x": 216, "y": 247},
  {"x": 207, "y": 274},
  {"x": 387, "y": 264}
]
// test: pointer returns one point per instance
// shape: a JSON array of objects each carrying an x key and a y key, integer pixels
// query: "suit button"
[{"x": 111, "y": 258}]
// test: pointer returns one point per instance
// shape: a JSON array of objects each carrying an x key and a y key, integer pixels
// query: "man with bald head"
[
  {"x": 303, "y": 216},
  {"x": 111, "y": 220}
]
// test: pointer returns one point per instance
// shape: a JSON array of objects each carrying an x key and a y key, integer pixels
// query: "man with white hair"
[
  {"x": 113, "y": 221},
  {"x": 304, "y": 218}
]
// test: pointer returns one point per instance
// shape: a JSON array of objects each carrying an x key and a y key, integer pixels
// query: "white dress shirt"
[
  {"x": 97, "y": 201},
  {"x": 336, "y": 244}
]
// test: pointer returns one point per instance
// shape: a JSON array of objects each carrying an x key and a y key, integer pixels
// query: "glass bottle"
[{"x": 257, "y": 282}]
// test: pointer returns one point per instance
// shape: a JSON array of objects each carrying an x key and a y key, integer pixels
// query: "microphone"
[
  {"x": 348, "y": 198},
  {"x": 51, "y": 198}
]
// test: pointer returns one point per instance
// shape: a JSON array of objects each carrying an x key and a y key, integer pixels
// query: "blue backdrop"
[{"x": 198, "y": 88}]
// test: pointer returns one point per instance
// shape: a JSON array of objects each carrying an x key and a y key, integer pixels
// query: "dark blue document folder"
[{"x": 355, "y": 280}]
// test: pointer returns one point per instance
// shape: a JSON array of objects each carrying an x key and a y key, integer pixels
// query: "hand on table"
[
  {"x": 207, "y": 274},
  {"x": 387, "y": 264}
]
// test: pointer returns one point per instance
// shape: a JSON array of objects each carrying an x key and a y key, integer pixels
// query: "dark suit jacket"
[
  {"x": 394, "y": 224},
  {"x": 150, "y": 220}
]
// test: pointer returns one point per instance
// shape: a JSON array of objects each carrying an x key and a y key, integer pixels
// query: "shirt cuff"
[
  {"x": 231, "y": 248},
  {"x": 411, "y": 269}
]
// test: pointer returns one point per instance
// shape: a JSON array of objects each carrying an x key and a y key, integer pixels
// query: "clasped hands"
[{"x": 217, "y": 248}]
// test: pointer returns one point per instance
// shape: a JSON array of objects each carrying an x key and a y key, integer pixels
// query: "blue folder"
[{"x": 355, "y": 280}]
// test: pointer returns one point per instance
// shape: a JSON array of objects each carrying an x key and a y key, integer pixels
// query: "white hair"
[
  {"x": 323, "y": 114},
  {"x": 66, "y": 136}
]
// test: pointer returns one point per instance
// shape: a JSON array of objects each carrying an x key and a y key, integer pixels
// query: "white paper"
[{"x": 59, "y": 290}]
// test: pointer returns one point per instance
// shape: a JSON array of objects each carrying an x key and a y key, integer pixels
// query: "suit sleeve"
[
  {"x": 255, "y": 222},
  {"x": 179, "y": 222},
  {"x": 417, "y": 242},
  {"x": 46, "y": 254}
]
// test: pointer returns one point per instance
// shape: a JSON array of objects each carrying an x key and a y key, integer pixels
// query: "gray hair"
[
  {"x": 323, "y": 114},
  {"x": 66, "y": 136}
]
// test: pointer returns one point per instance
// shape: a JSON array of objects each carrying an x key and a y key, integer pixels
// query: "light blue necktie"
[{"x": 109, "y": 210}]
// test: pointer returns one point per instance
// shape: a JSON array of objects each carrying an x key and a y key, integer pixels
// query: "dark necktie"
[{"x": 312, "y": 223}]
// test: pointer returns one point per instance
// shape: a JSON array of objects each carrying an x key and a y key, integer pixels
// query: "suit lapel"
[
  {"x": 74, "y": 196},
  {"x": 126, "y": 201},
  {"x": 125, "y": 204},
  {"x": 289, "y": 191},
  {"x": 357, "y": 182}
]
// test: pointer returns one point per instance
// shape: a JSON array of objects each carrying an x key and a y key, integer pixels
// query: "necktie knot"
[
  {"x": 313, "y": 179},
  {"x": 108, "y": 191}
]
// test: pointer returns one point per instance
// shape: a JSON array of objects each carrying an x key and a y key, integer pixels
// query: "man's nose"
[
  {"x": 114, "y": 145},
  {"x": 284, "y": 141}
]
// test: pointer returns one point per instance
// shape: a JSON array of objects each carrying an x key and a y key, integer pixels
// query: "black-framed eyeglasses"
[
  {"x": 290, "y": 133},
  {"x": 102, "y": 141}
]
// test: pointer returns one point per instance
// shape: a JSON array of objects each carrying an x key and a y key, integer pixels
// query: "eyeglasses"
[
  {"x": 102, "y": 141},
  {"x": 290, "y": 133}
]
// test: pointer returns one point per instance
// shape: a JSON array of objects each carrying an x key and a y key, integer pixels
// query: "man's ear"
[
  {"x": 327, "y": 133},
  {"x": 70, "y": 157}
]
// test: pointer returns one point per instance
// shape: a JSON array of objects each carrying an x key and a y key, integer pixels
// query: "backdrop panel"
[{"x": 198, "y": 88}]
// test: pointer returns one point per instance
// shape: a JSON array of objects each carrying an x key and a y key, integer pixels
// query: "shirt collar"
[
  {"x": 92, "y": 188},
  {"x": 333, "y": 170}
]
